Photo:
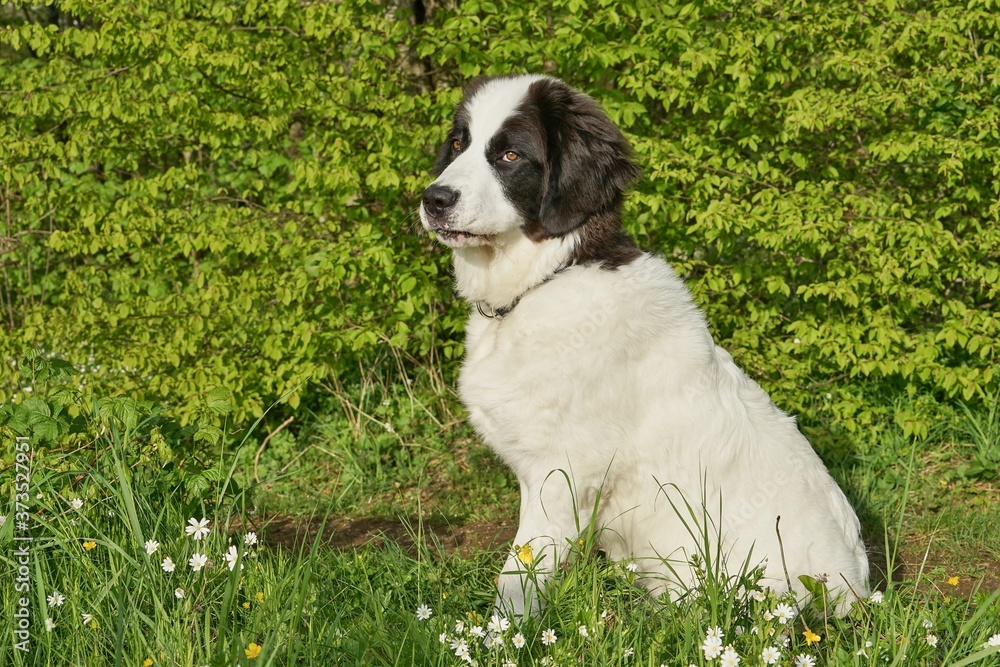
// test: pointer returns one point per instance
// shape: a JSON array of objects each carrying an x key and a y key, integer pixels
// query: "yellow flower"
[
  {"x": 89, "y": 545},
  {"x": 526, "y": 554},
  {"x": 148, "y": 662},
  {"x": 246, "y": 605},
  {"x": 252, "y": 651},
  {"x": 260, "y": 597},
  {"x": 810, "y": 637},
  {"x": 953, "y": 581}
]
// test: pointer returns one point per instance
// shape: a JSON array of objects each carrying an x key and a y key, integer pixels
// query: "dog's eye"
[
  {"x": 511, "y": 156},
  {"x": 456, "y": 145}
]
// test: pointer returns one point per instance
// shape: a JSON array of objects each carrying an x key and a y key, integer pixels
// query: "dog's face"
[{"x": 524, "y": 153}]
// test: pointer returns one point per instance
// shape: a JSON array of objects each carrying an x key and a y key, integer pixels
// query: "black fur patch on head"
[
  {"x": 588, "y": 166},
  {"x": 590, "y": 162},
  {"x": 459, "y": 127},
  {"x": 522, "y": 181}
]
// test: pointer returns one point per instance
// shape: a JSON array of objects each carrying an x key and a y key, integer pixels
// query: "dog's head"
[{"x": 525, "y": 153}]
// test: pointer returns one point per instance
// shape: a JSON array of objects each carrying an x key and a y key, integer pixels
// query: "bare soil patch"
[
  {"x": 913, "y": 560},
  {"x": 355, "y": 532}
]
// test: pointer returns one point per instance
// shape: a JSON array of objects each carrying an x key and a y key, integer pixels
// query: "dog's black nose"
[{"x": 438, "y": 199}]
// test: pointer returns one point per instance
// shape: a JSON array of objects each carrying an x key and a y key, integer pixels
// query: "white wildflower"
[
  {"x": 198, "y": 561},
  {"x": 197, "y": 529},
  {"x": 232, "y": 555},
  {"x": 497, "y": 624},
  {"x": 729, "y": 658},
  {"x": 712, "y": 647},
  {"x": 784, "y": 613}
]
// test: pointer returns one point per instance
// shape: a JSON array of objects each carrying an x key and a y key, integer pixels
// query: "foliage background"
[{"x": 202, "y": 197}]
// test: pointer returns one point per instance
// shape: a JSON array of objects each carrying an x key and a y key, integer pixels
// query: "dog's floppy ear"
[{"x": 589, "y": 161}]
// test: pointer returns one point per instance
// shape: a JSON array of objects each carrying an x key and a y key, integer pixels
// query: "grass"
[{"x": 401, "y": 453}]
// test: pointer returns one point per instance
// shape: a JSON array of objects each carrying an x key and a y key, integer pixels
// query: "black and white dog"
[{"x": 592, "y": 374}]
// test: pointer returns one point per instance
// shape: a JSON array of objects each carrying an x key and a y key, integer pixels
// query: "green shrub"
[
  {"x": 213, "y": 197},
  {"x": 185, "y": 462},
  {"x": 202, "y": 195}
]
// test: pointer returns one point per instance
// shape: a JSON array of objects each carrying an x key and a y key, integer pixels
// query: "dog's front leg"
[{"x": 550, "y": 519}]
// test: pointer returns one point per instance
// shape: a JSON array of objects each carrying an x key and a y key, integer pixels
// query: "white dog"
[{"x": 592, "y": 374}]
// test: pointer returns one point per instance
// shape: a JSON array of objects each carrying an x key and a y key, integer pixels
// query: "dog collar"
[{"x": 489, "y": 312}]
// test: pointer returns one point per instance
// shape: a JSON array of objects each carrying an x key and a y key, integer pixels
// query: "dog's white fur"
[{"x": 606, "y": 384}]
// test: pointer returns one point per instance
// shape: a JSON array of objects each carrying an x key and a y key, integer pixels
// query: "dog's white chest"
[{"x": 488, "y": 377}]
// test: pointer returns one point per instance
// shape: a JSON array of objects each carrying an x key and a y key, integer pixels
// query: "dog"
[{"x": 591, "y": 372}]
